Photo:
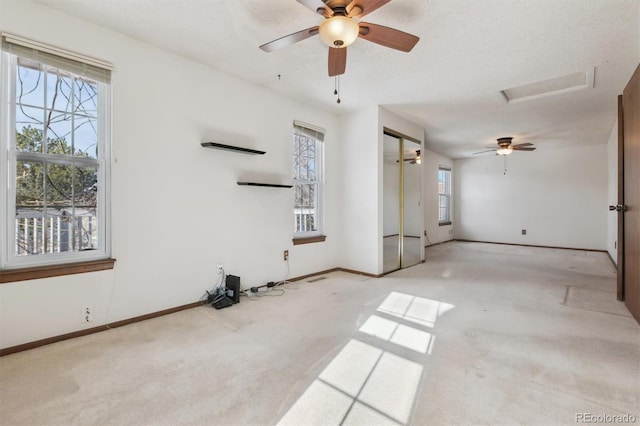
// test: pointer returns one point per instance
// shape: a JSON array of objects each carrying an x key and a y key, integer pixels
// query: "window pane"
[
  {"x": 87, "y": 230},
  {"x": 29, "y": 185},
  {"x": 86, "y": 207},
  {"x": 59, "y": 91},
  {"x": 29, "y": 83},
  {"x": 59, "y": 133},
  {"x": 86, "y": 97},
  {"x": 86, "y": 188},
  {"x": 305, "y": 208},
  {"x": 85, "y": 140},
  {"x": 59, "y": 184},
  {"x": 29, "y": 137},
  {"x": 311, "y": 167},
  {"x": 298, "y": 196},
  {"x": 30, "y": 232},
  {"x": 29, "y": 207}
]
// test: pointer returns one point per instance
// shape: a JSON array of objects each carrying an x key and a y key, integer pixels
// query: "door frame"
[
  {"x": 401, "y": 138},
  {"x": 620, "y": 238}
]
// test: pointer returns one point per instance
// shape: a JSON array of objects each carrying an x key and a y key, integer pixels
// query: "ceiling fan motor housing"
[{"x": 504, "y": 142}]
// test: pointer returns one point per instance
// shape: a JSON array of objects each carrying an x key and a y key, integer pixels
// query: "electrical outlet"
[
  {"x": 286, "y": 255},
  {"x": 220, "y": 267},
  {"x": 524, "y": 232},
  {"x": 87, "y": 314}
]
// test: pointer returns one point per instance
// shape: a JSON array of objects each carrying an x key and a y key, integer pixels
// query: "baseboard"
[
  {"x": 366, "y": 274},
  {"x": 80, "y": 333},
  {"x": 615, "y": 265},
  {"x": 350, "y": 271},
  {"x": 530, "y": 245},
  {"x": 439, "y": 242},
  {"x": 116, "y": 324}
]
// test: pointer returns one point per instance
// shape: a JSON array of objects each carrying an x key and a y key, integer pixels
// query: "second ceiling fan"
[
  {"x": 505, "y": 147},
  {"x": 341, "y": 28}
]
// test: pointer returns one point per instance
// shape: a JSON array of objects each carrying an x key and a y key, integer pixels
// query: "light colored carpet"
[
  {"x": 595, "y": 300},
  {"x": 479, "y": 334}
]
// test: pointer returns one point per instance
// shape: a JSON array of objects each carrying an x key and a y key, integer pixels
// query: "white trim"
[
  {"x": 317, "y": 134},
  {"x": 5, "y": 111},
  {"x": 538, "y": 91},
  {"x": 9, "y": 156},
  {"x": 64, "y": 53},
  {"x": 309, "y": 126}
]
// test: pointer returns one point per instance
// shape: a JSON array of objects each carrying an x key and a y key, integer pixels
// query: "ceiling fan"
[
  {"x": 415, "y": 160},
  {"x": 505, "y": 148},
  {"x": 341, "y": 28}
]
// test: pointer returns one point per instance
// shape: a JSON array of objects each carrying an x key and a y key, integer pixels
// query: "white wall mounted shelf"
[
  {"x": 232, "y": 148},
  {"x": 272, "y": 185}
]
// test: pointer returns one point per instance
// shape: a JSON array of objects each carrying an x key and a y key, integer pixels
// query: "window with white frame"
[
  {"x": 55, "y": 139},
  {"x": 444, "y": 196},
  {"x": 307, "y": 180}
]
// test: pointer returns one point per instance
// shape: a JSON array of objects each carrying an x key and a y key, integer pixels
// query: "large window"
[
  {"x": 55, "y": 139},
  {"x": 444, "y": 196},
  {"x": 307, "y": 180}
]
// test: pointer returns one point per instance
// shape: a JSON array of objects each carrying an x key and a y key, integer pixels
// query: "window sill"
[
  {"x": 309, "y": 240},
  {"x": 444, "y": 223},
  {"x": 36, "y": 272}
]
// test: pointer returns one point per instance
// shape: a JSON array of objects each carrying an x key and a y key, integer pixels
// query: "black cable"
[{"x": 426, "y": 234}]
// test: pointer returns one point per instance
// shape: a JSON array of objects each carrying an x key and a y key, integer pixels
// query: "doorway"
[{"x": 402, "y": 210}]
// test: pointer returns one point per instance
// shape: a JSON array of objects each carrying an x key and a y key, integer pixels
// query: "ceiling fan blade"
[
  {"x": 388, "y": 37},
  {"x": 317, "y": 6},
  {"x": 359, "y": 8},
  {"x": 337, "y": 61},
  {"x": 289, "y": 39},
  {"x": 522, "y": 144},
  {"x": 482, "y": 152},
  {"x": 517, "y": 148}
]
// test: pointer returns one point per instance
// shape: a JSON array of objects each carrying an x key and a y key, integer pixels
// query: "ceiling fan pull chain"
[
  {"x": 335, "y": 85},
  {"x": 505, "y": 164},
  {"x": 338, "y": 81}
]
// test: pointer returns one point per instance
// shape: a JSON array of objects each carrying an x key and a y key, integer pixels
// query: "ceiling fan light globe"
[
  {"x": 505, "y": 151},
  {"x": 339, "y": 31}
]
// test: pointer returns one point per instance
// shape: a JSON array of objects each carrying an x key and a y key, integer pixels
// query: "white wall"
[
  {"x": 558, "y": 195},
  {"x": 360, "y": 176},
  {"x": 177, "y": 210},
  {"x": 431, "y": 161},
  {"x": 612, "y": 193}
]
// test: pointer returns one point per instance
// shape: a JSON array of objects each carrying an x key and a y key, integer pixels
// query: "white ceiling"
[{"x": 450, "y": 83}]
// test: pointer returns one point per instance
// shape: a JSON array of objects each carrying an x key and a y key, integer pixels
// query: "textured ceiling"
[{"x": 450, "y": 84}]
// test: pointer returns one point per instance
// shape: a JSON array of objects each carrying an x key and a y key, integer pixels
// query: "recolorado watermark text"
[{"x": 605, "y": 418}]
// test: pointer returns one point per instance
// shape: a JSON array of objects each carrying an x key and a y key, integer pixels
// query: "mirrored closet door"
[{"x": 402, "y": 211}]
